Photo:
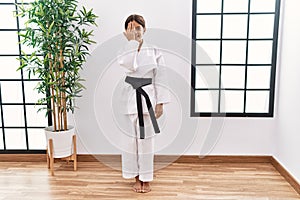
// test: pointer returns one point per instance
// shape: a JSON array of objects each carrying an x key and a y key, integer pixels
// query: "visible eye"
[{"x": 138, "y": 28}]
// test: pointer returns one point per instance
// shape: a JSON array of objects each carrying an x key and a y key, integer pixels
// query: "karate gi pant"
[{"x": 138, "y": 158}]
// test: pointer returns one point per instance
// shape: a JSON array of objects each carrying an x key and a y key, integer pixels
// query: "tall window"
[
  {"x": 240, "y": 39},
  {"x": 21, "y": 127}
]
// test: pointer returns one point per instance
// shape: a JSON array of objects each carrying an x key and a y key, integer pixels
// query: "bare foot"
[
  {"x": 137, "y": 187},
  {"x": 146, "y": 187}
]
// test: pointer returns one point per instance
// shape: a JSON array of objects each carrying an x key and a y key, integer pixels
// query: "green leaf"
[{"x": 50, "y": 27}]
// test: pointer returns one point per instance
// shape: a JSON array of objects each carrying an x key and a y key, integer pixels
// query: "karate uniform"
[{"x": 138, "y": 157}]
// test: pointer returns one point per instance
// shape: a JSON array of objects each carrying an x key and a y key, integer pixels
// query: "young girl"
[{"x": 141, "y": 62}]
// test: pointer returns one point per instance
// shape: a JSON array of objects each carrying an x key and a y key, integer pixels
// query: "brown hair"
[{"x": 138, "y": 18}]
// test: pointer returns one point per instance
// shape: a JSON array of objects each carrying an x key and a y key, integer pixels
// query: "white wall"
[
  {"x": 230, "y": 136},
  {"x": 288, "y": 119}
]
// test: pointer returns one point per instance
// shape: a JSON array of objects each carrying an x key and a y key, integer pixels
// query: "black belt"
[{"x": 137, "y": 84}]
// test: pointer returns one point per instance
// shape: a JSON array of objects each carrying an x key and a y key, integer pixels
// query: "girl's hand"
[
  {"x": 158, "y": 110},
  {"x": 130, "y": 32}
]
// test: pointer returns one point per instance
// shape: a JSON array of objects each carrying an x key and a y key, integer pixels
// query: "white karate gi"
[{"x": 138, "y": 157}]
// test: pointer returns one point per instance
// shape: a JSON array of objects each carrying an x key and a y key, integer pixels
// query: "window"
[
  {"x": 234, "y": 57},
  {"x": 21, "y": 127}
]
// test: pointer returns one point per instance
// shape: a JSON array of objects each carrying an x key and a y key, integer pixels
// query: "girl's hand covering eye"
[{"x": 130, "y": 32}]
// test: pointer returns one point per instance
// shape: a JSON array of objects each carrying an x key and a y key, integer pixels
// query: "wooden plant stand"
[{"x": 51, "y": 159}]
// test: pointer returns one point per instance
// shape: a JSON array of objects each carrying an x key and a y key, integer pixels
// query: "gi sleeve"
[
  {"x": 161, "y": 83},
  {"x": 127, "y": 55}
]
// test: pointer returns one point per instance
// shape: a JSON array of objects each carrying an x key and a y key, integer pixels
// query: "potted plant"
[{"x": 60, "y": 41}]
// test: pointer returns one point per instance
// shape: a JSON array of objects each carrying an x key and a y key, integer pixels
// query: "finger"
[
  {"x": 132, "y": 26},
  {"x": 128, "y": 27}
]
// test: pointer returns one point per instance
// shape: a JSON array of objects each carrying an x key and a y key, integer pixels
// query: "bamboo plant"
[{"x": 60, "y": 41}]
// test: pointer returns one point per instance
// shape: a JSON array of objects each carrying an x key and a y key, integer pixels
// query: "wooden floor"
[{"x": 184, "y": 181}]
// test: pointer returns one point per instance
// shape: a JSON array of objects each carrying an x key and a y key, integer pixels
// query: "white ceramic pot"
[{"x": 62, "y": 141}]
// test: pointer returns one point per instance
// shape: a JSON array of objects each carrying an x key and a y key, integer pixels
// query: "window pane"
[
  {"x": 36, "y": 139},
  {"x": 211, "y": 6},
  {"x": 8, "y": 67},
  {"x": 11, "y": 91},
  {"x": 233, "y": 76},
  {"x": 9, "y": 42},
  {"x": 13, "y": 115},
  {"x": 233, "y": 102},
  {"x": 260, "y": 52},
  {"x": 35, "y": 118},
  {"x": 31, "y": 94},
  {"x": 235, "y": 6},
  {"x": 258, "y": 77},
  {"x": 208, "y": 26},
  {"x": 212, "y": 49},
  {"x": 261, "y": 26},
  {"x": 15, "y": 138},
  {"x": 235, "y": 26},
  {"x": 207, "y": 77},
  {"x": 1, "y": 139},
  {"x": 206, "y": 101},
  {"x": 262, "y": 6},
  {"x": 234, "y": 52},
  {"x": 257, "y": 101},
  {"x": 6, "y": 12}
]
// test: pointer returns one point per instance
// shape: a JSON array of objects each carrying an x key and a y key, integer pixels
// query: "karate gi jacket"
[{"x": 147, "y": 63}]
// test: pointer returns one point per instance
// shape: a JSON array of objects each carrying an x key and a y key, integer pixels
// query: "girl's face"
[{"x": 138, "y": 30}]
